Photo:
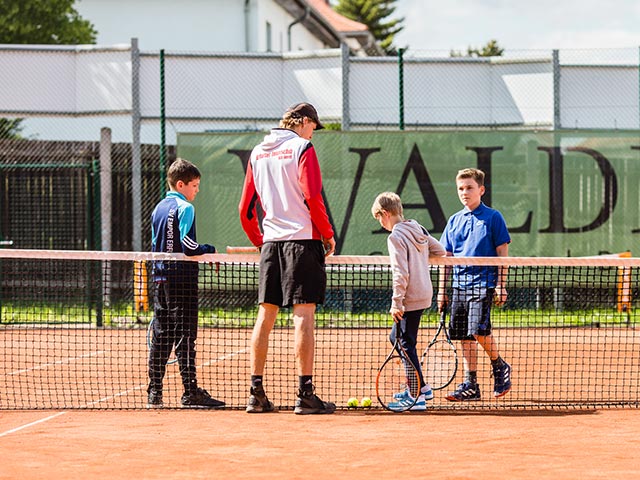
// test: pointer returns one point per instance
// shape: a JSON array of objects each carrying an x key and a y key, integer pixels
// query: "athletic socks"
[
  {"x": 497, "y": 362},
  {"x": 471, "y": 377},
  {"x": 306, "y": 383},
  {"x": 256, "y": 381}
]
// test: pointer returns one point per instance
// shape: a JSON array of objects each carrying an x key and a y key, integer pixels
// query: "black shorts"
[
  {"x": 470, "y": 313},
  {"x": 292, "y": 272}
]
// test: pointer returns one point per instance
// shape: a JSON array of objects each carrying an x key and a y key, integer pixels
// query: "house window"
[{"x": 269, "y": 46}]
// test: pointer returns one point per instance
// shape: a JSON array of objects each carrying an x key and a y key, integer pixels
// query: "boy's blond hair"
[
  {"x": 389, "y": 202},
  {"x": 473, "y": 173}
]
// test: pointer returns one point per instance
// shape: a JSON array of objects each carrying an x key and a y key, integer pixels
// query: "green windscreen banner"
[{"x": 561, "y": 193}]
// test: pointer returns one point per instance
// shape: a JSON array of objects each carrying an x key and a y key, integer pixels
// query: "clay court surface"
[{"x": 572, "y": 444}]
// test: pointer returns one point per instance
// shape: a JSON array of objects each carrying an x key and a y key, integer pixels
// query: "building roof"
[
  {"x": 330, "y": 27},
  {"x": 337, "y": 21}
]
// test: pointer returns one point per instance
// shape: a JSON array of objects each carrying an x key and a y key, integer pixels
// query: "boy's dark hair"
[
  {"x": 182, "y": 169},
  {"x": 474, "y": 173}
]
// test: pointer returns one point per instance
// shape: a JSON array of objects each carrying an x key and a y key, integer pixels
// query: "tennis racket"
[
  {"x": 397, "y": 375},
  {"x": 440, "y": 359},
  {"x": 172, "y": 358}
]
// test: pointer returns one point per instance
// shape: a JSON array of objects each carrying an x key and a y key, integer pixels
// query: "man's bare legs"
[
  {"x": 304, "y": 322},
  {"x": 267, "y": 314}
]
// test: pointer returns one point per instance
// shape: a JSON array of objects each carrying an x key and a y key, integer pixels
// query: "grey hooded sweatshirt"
[{"x": 410, "y": 246}]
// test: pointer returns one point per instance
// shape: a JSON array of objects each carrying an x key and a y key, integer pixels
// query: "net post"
[
  {"x": 623, "y": 291},
  {"x": 140, "y": 291}
]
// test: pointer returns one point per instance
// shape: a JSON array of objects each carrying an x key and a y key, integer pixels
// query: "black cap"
[{"x": 304, "y": 109}]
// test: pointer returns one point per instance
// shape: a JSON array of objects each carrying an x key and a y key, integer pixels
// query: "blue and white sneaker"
[
  {"x": 401, "y": 395},
  {"x": 426, "y": 392},
  {"x": 407, "y": 403}
]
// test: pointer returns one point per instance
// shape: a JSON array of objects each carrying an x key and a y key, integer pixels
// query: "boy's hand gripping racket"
[
  {"x": 440, "y": 360},
  {"x": 398, "y": 382}
]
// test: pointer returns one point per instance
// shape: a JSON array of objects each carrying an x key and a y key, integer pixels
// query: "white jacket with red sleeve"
[{"x": 284, "y": 177}]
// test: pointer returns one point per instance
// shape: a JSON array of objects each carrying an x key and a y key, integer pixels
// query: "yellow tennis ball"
[
  {"x": 352, "y": 402},
  {"x": 365, "y": 402}
]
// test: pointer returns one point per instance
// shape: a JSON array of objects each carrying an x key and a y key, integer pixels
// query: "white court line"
[
  {"x": 144, "y": 385},
  {"x": 119, "y": 394},
  {"x": 17, "y": 429},
  {"x": 59, "y": 362}
]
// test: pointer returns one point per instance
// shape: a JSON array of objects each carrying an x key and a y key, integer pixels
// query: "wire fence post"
[
  {"x": 557, "y": 122},
  {"x": 136, "y": 171},
  {"x": 163, "y": 142},
  {"x": 346, "y": 118},
  {"x": 106, "y": 210},
  {"x": 401, "y": 87}
]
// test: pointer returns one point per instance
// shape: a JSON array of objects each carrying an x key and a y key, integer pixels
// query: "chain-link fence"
[
  {"x": 55, "y": 102},
  {"x": 51, "y": 194}
]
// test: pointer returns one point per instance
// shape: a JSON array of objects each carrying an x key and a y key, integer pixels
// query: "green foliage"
[
  {"x": 43, "y": 22},
  {"x": 373, "y": 14},
  {"x": 10, "y": 128},
  {"x": 491, "y": 49},
  {"x": 336, "y": 127},
  {"x": 40, "y": 22}
]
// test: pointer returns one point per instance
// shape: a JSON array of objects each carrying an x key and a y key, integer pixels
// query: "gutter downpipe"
[
  {"x": 304, "y": 16},
  {"x": 247, "y": 10}
]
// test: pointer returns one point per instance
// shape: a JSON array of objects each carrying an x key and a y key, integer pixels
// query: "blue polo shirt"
[{"x": 475, "y": 233}]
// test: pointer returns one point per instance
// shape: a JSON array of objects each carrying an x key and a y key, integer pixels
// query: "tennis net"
[{"x": 74, "y": 331}]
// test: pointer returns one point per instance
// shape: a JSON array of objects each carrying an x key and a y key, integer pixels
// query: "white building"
[{"x": 225, "y": 25}]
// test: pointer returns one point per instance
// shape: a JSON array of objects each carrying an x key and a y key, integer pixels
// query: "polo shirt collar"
[{"x": 477, "y": 209}]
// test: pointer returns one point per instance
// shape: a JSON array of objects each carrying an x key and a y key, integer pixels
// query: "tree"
[
  {"x": 43, "y": 22},
  {"x": 40, "y": 22},
  {"x": 10, "y": 128},
  {"x": 491, "y": 49},
  {"x": 373, "y": 14}
]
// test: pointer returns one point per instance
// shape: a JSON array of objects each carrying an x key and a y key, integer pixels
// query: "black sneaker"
[
  {"x": 154, "y": 399},
  {"x": 308, "y": 403},
  {"x": 502, "y": 379},
  {"x": 200, "y": 398},
  {"x": 466, "y": 391},
  {"x": 258, "y": 401}
]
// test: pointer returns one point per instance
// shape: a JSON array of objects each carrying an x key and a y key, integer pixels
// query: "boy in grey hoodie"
[{"x": 410, "y": 246}]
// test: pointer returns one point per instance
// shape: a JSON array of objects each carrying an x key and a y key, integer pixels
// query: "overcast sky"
[{"x": 518, "y": 24}]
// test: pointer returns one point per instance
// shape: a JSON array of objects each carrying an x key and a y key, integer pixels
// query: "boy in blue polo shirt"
[{"x": 475, "y": 231}]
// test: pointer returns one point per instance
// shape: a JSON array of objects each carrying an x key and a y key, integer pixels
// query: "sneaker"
[
  {"x": 407, "y": 403},
  {"x": 309, "y": 403},
  {"x": 258, "y": 401},
  {"x": 400, "y": 395},
  {"x": 154, "y": 399},
  {"x": 465, "y": 392},
  {"x": 426, "y": 392},
  {"x": 502, "y": 379},
  {"x": 200, "y": 398}
]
